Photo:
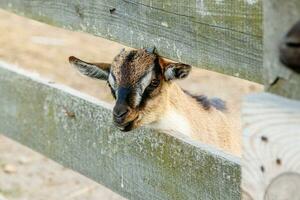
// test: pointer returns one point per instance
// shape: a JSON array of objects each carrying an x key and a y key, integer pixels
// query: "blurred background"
[{"x": 43, "y": 50}]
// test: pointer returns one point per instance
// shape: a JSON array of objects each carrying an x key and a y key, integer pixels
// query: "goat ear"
[
  {"x": 173, "y": 71},
  {"x": 93, "y": 70}
]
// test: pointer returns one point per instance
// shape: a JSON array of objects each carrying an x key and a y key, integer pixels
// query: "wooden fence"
[
  {"x": 141, "y": 165},
  {"x": 224, "y": 36}
]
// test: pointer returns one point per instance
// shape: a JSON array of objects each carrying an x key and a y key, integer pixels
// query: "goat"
[
  {"x": 143, "y": 85},
  {"x": 290, "y": 49}
]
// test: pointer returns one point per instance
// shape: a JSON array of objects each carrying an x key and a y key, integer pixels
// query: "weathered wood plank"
[
  {"x": 279, "y": 19},
  {"x": 225, "y": 36},
  {"x": 77, "y": 132},
  {"x": 271, "y": 151}
]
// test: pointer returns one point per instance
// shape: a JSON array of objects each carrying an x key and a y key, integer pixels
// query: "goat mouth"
[{"x": 126, "y": 127}]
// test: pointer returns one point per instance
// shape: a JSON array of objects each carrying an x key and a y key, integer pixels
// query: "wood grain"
[
  {"x": 279, "y": 19},
  {"x": 271, "y": 150},
  {"x": 224, "y": 36},
  {"x": 142, "y": 164}
]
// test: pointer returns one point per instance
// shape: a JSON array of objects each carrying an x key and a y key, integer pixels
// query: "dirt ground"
[{"x": 43, "y": 49}]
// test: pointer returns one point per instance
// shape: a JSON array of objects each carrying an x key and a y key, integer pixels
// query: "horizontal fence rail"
[
  {"x": 76, "y": 131},
  {"x": 224, "y": 36}
]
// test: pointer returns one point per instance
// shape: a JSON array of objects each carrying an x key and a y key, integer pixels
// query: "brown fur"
[{"x": 124, "y": 66}]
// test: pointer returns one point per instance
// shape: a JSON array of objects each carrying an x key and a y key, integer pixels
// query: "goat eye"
[{"x": 154, "y": 84}]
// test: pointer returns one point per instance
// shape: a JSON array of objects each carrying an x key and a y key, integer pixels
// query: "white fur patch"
[
  {"x": 112, "y": 81},
  {"x": 173, "y": 121},
  {"x": 144, "y": 82}
]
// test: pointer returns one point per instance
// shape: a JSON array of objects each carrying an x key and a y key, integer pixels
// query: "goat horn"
[{"x": 151, "y": 49}]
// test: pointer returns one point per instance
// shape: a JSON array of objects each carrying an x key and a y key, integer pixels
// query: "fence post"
[{"x": 271, "y": 124}]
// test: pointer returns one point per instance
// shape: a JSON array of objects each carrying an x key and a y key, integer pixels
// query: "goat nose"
[{"x": 120, "y": 112}]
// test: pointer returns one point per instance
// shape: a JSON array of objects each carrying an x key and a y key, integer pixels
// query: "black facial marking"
[
  {"x": 206, "y": 103},
  {"x": 145, "y": 98},
  {"x": 154, "y": 84},
  {"x": 157, "y": 68},
  {"x": 123, "y": 93},
  {"x": 130, "y": 56},
  {"x": 125, "y": 96}
]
